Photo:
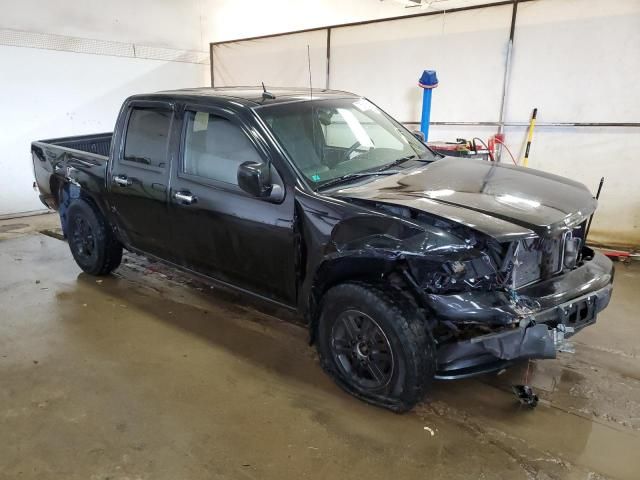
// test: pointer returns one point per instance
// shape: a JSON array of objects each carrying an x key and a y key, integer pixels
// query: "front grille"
[
  {"x": 538, "y": 258},
  {"x": 526, "y": 263}
]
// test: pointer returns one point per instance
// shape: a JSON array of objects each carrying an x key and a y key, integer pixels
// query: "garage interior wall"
[
  {"x": 577, "y": 61},
  {"x": 66, "y": 66}
]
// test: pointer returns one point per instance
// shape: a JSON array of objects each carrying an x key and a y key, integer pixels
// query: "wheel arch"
[
  {"x": 67, "y": 192},
  {"x": 369, "y": 269}
]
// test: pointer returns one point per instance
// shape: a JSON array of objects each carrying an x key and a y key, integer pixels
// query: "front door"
[
  {"x": 219, "y": 229},
  {"x": 138, "y": 180}
]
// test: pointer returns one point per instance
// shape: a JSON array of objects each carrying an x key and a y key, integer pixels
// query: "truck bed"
[
  {"x": 98, "y": 143},
  {"x": 80, "y": 159}
]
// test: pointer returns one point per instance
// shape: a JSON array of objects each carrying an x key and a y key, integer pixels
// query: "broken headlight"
[{"x": 467, "y": 270}]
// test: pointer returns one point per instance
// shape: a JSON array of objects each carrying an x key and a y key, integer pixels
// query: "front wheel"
[
  {"x": 375, "y": 345},
  {"x": 92, "y": 243}
]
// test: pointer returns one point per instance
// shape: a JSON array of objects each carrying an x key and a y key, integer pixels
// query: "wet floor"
[{"x": 144, "y": 375}]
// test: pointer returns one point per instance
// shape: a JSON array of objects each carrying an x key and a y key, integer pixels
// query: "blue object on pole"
[
  {"x": 428, "y": 81},
  {"x": 426, "y": 112}
]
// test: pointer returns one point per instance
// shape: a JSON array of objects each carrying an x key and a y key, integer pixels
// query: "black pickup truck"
[{"x": 406, "y": 266}]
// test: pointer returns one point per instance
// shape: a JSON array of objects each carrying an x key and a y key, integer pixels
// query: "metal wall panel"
[{"x": 384, "y": 61}]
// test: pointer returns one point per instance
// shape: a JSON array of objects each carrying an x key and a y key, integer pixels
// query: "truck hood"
[{"x": 505, "y": 202}]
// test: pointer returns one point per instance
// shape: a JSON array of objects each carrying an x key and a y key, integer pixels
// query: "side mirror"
[
  {"x": 254, "y": 178},
  {"x": 419, "y": 135}
]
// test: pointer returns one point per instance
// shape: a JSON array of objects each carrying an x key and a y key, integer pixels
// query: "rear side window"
[
  {"x": 215, "y": 147},
  {"x": 147, "y": 133}
]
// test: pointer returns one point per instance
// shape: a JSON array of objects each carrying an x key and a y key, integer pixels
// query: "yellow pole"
[{"x": 532, "y": 125}]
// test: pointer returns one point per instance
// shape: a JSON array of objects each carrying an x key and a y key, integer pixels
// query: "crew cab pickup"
[{"x": 405, "y": 265}]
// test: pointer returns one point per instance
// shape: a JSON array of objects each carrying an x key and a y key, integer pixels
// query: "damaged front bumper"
[{"x": 528, "y": 325}]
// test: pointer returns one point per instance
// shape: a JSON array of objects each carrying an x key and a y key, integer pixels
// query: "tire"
[
  {"x": 92, "y": 243},
  {"x": 400, "y": 346}
]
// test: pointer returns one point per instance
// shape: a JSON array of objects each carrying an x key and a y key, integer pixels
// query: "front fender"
[{"x": 373, "y": 247}]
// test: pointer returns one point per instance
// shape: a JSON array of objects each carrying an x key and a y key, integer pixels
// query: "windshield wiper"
[
  {"x": 398, "y": 162},
  {"x": 351, "y": 176},
  {"x": 381, "y": 171}
]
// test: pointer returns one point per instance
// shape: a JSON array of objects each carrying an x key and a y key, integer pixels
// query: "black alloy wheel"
[
  {"x": 374, "y": 342},
  {"x": 361, "y": 350},
  {"x": 91, "y": 239},
  {"x": 83, "y": 238}
]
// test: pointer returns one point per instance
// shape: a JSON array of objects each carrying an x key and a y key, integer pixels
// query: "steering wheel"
[{"x": 349, "y": 151}]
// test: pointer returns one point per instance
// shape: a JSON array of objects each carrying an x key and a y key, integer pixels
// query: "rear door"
[
  {"x": 139, "y": 177},
  {"x": 219, "y": 229}
]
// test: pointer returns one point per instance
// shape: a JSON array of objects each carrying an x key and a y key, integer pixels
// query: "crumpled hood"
[{"x": 499, "y": 200}]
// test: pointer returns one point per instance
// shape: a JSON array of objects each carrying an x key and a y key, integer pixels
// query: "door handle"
[
  {"x": 185, "y": 198},
  {"x": 122, "y": 180}
]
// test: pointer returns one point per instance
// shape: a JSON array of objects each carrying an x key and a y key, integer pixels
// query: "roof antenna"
[
  {"x": 309, "y": 64},
  {"x": 267, "y": 95}
]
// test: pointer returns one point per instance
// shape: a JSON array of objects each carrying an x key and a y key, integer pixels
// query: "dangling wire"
[
  {"x": 513, "y": 159},
  {"x": 526, "y": 374},
  {"x": 485, "y": 146}
]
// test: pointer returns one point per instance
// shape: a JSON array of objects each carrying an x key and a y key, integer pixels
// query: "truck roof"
[{"x": 252, "y": 96}]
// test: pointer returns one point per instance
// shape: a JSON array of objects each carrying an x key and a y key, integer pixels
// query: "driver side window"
[{"x": 215, "y": 147}]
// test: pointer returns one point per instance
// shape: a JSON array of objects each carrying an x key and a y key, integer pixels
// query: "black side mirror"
[
  {"x": 254, "y": 178},
  {"x": 419, "y": 135}
]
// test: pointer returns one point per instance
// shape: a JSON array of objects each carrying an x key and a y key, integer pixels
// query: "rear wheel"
[
  {"x": 92, "y": 243},
  {"x": 375, "y": 345}
]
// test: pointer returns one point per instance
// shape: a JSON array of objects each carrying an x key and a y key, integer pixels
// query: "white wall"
[
  {"x": 575, "y": 60},
  {"x": 384, "y": 60},
  {"x": 163, "y": 23},
  {"x": 53, "y": 90},
  {"x": 233, "y": 19},
  {"x": 579, "y": 60}
]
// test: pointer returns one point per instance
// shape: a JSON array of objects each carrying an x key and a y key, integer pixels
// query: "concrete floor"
[{"x": 146, "y": 375}]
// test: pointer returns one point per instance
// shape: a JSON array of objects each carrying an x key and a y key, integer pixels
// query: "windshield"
[{"x": 328, "y": 139}]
